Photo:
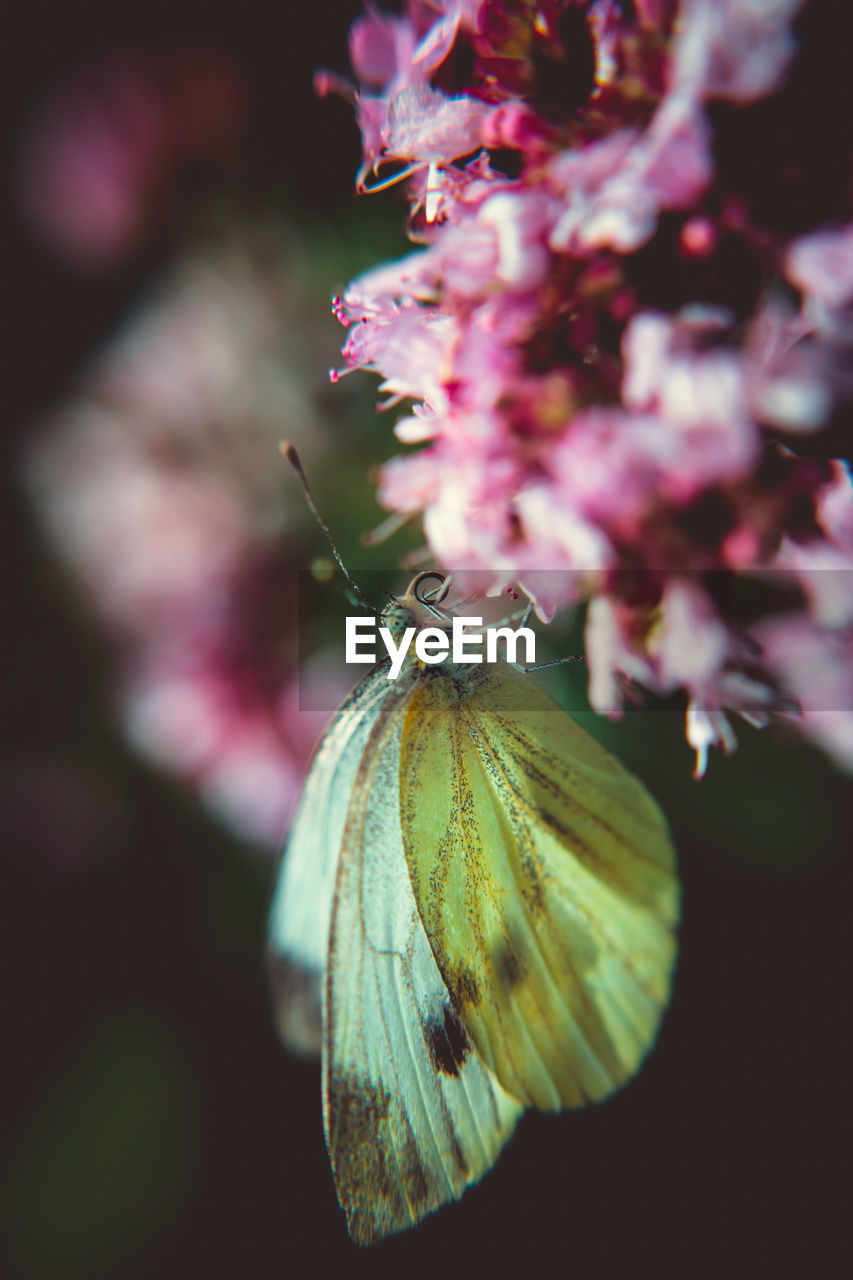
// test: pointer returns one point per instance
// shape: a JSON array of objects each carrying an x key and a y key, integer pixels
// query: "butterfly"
[{"x": 476, "y": 913}]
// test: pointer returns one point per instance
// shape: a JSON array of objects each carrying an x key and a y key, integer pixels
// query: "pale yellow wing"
[
  {"x": 545, "y": 878},
  {"x": 412, "y": 1115}
]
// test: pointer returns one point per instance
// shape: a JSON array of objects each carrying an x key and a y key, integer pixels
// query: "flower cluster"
[{"x": 629, "y": 366}]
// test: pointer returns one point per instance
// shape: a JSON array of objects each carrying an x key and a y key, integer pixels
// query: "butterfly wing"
[
  {"x": 412, "y": 1114},
  {"x": 545, "y": 878},
  {"x": 301, "y": 911}
]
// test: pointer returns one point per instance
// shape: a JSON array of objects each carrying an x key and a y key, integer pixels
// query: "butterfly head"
[{"x": 420, "y": 606}]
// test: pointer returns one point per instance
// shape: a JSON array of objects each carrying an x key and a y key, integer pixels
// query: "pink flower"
[
  {"x": 410, "y": 348},
  {"x": 616, "y": 193},
  {"x": 821, "y": 265},
  {"x": 520, "y": 222},
  {"x": 700, "y": 396},
  {"x": 423, "y": 124},
  {"x": 381, "y": 47},
  {"x": 401, "y": 117},
  {"x": 788, "y": 375},
  {"x": 616, "y": 469},
  {"x": 815, "y": 666},
  {"x": 387, "y": 51},
  {"x": 835, "y": 507},
  {"x": 614, "y": 649},
  {"x": 737, "y": 49},
  {"x": 692, "y": 643}
]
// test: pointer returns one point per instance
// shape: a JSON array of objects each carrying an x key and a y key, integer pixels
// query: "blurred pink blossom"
[
  {"x": 821, "y": 265},
  {"x": 100, "y": 162},
  {"x": 737, "y": 49},
  {"x": 816, "y": 664},
  {"x": 160, "y": 486},
  {"x": 615, "y": 189},
  {"x": 245, "y": 756}
]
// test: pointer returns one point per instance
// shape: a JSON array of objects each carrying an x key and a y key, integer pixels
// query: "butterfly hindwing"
[
  {"x": 300, "y": 915},
  {"x": 412, "y": 1114},
  {"x": 545, "y": 878}
]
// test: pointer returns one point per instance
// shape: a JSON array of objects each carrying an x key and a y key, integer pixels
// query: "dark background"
[{"x": 152, "y": 1125}]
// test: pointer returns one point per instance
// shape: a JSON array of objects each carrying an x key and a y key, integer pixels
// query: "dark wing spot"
[
  {"x": 463, "y": 987},
  {"x": 509, "y": 964},
  {"x": 448, "y": 1044}
]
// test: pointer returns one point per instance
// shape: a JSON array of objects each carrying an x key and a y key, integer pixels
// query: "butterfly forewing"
[
  {"x": 545, "y": 878},
  {"x": 412, "y": 1114},
  {"x": 298, "y": 930}
]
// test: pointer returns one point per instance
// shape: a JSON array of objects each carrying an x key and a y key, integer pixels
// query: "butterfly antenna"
[{"x": 287, "y": 451}]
